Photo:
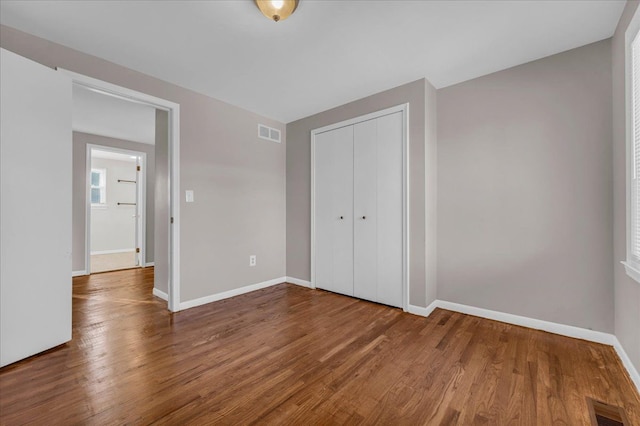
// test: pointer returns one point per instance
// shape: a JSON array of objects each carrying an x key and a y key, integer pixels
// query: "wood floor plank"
[{"x": 291, "y": 355}]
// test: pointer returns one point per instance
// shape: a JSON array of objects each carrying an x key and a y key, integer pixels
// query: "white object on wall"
[
  {"x": 35, "y": 308},
  {"x": 269, "y": 133}
]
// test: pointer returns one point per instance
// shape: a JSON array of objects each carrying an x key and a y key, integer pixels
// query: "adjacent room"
[
  {"x": 320, "y": 212},
  {"x": 113, "y": 211}
]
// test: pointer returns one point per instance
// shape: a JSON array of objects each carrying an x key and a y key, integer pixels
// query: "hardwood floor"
[{"x": 287, "y": 354}]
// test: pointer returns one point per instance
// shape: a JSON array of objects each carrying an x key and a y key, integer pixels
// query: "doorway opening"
[
  {"x": 166, "y": 256},
  {"x": 116, "y": 194}
]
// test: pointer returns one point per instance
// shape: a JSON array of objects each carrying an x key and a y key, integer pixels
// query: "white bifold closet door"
[
  {"x": 334, "y": 210},
  {"x": 377, "y": 233},
  {"x": 358, "y": 210}
]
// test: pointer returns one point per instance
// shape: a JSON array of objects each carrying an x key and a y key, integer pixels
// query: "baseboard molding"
[
  {"x": 551, "y": 327},
  {"x": 78, "y": 273},
  {"x": 424, "y": 312},
  {"x": 149, "y": 264},
  {"x": 131, "y": 250},
  {"x": 626, "y": 361},
  {"x": 298, "y": 281},
  {"x": 231, "y": 293},
  {"x": 161, "y": 294}
]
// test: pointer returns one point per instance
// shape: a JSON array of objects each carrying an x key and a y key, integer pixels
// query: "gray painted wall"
[
  {"x": 524, "y": 190},
  {"x": 238, "y": 179},
  {"x": 162, "y": 223},
  {"x": 421, "y": 98},
  {"x": 627, "y": 291},
  {"x": 80, "y": 141}
]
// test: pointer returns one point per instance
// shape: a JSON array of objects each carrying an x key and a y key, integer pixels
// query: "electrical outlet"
[{"x": 252, "y": 260}]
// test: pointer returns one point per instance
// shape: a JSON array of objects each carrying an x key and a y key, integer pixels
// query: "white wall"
[{"x": 113, "y": 226}]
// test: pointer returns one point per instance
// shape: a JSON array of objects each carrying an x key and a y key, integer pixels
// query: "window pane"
[
  {"x": 95, "y": 179},
  {"x": 95, "y": 195},
  {"x": 635, "y": 166}
]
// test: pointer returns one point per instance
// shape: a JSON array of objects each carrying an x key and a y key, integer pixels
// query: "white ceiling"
[
  {"x": 106, "y": 115},
  {"x": 326, "y": 54}
]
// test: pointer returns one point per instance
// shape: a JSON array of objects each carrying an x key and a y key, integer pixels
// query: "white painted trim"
[
  {"x": 626, "y": 361},
  {"x": 404, "y": 108},
  {"x": 174, "y": 201},
  {"x": 174, "y": 166},
  {"x": 313, "y": 210},
  {"x": 231, "y": 293},
  {"x": 551, "y": 327},
  {"x": 631, "y": 270},
  {"x": 298, "y": 281},
  {"x": 161, "y": 294},
  {"x": 78, "y": 273},
  {"x": 149, "y": 264},
  {"x": 129, "y": 250},
  {"x": 141, "y": 201},
  {"x": 406, "y": 236},
  {"x": 361, "y": 118},
  {"x": 141, "y": 208},
  {"x": 87, "y": 212},
  {"x": 423, "y": 312}
]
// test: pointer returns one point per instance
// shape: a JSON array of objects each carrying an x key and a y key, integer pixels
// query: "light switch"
[{"x": 189, "y": 195}]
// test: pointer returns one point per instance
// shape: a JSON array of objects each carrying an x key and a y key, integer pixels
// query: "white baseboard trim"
[
  {"x": 551, "y": 327},
  {"x": 298, "y": 281},
  {"x": 230, "y": 293},
  {"x": 131, "y": 250},
  {"x": 148, "y": 264},
  {"x": 161, "y": 294},
  {"x": 424, "y": 312},
  {"x": 78, "y": 273},
  {"x": 626, "y": 361}
]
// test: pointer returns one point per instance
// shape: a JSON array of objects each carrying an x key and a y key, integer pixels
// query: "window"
[
  {"x": 98, "y": 187},
  {"x": 632, "y": 264}
]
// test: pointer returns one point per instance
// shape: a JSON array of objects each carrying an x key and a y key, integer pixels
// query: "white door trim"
[
  {"x": 141, "y": 200},
  {"x": 404, "y": 108},
  {"x": 174, "y": 166}
]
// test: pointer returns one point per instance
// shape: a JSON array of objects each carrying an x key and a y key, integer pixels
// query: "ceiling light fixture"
[{"x": 278, "y": 10}]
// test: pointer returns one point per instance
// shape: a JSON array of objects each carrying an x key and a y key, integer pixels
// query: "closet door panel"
[
  {"x": 365, "y": 210},
  {"x": 389, "y": 209},
  {"x": 323, "y": 209},
  {"x": 334, "y": 210}
]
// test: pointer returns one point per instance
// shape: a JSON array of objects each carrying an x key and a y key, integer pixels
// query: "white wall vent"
[{"x": 268, "y": 133}]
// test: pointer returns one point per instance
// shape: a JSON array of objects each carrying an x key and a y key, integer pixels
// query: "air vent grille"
[
  {"x": 603, "y": 414},
  {"x": 269, "y": 133}
]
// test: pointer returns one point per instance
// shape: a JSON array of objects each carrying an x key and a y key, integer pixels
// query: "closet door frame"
[{"x": 404, "y": 109}]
